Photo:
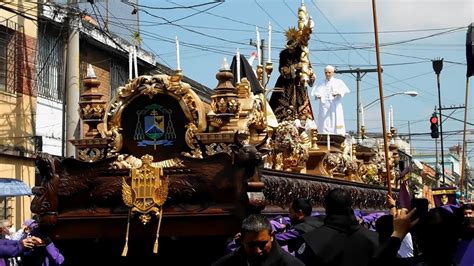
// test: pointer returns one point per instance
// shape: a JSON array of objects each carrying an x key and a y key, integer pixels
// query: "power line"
[
  {"x": 193, "y": 31},
  {"x": 268, "y": 14},
  {"x": 219, "y": 16},
  {"x": 179, "y": 6}
]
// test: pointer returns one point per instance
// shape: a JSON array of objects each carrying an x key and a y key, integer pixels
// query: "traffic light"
[{"x": 434, "y": 126}]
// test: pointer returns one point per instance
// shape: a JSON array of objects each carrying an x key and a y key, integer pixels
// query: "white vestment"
[{"x": 330, "y": 113}]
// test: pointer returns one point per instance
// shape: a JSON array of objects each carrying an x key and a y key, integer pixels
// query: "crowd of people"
[
  {"x": 416, "y": 237},
  {"x": 413, "y": 237},
  {"x": 29, "y": 246}
]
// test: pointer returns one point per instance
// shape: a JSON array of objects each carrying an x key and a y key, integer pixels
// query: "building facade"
[{"x": 18, "y": 102}]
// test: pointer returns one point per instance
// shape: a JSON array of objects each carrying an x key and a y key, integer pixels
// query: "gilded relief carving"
[{"x": 151, "y": 86}]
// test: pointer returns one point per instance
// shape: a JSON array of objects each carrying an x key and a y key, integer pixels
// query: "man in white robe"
[{"x": 329, "y": 95}]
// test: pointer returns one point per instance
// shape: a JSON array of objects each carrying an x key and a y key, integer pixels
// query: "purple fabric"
[
  {"x": 404, "y": 196},
  {"x": 465, "y": 253},
  {"x": 450, "y": 207},
  {"x": 286, "y": 236},
  {"x": 368, "y": 220},
  {"x": 279, "y": 224},
  {"x": 9, "y": 248},
  {"x": 357, "y": 213},
  {"x": 54, "y": 257},
  {"x": 231, "y": 246},
  {"x": 30, "y": 223}
]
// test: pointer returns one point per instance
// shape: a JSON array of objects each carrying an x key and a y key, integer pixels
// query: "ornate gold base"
[{"x": 314, "y": 165}]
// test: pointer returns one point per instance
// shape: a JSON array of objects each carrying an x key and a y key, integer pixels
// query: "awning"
[{"x": 10, "y": 187}]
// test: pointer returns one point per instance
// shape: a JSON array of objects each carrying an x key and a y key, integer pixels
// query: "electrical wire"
[{"x": 179, "y": 6}]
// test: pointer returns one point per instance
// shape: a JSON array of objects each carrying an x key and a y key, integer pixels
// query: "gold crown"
[{"x": 147, "y": 159}]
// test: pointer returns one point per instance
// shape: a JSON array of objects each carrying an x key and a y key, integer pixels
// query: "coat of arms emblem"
[
  {"x": 154, "y": 126},
  {"x": 146, "y": 194}
]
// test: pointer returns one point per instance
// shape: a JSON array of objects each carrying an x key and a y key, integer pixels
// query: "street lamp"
[{"x": 409, "y": 93}]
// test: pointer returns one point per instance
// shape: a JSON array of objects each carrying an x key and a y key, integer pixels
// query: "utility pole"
[
  {"x": 441, "y": 128},
  {"x": 263, "y": 61},
  {"x": 72, "y": 82},
  {"x": 437, "y": 159},
  {"x": 107, "y": 15},
  {"x": 409, "y": 138},
  {"x": 359, "y": 74}
]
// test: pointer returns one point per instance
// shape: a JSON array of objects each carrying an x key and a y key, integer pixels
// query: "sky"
[{"x": 411, "y": 34}]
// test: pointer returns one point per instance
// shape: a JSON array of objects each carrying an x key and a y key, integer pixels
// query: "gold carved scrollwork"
[
  {"x": 258, "y": 114},
  {"x": 331, "y": 162},
  {"x": 90, "y": 154},
  {"x": 192, "y": 141},
  {"x": 225, "y": 105},
  {"x": 218, "y": 148},
  {"x": 192, "y": 106},
  {"x": 117, "y": 139},
  {"x": 233, "y": 106},
  {"x": 91, "y": 111},
  {"x": 222, "y": 106},
  {"x": 152, "y": 90}
]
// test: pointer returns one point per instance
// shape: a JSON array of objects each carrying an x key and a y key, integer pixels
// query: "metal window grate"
[
  {"x": 118, "y": 76},
  {"x": 50, "y": 63},
  {"x": 9, "y": 46}
]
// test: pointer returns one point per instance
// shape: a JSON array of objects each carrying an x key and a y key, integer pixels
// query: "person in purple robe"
[
  {"x": 464, "y": 254},
  {"x": 14, "y": 248},
  {"x": 257, "y": 246},
  {"x": 46, "y": 254}
]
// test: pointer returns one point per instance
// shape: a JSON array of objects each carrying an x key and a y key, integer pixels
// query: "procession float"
[{"x": 160, "y": 172}]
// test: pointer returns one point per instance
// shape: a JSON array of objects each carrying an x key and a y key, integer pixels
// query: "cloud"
[
  {"x": 402, "y": 14},
  {"x": 426, "y": 14}
]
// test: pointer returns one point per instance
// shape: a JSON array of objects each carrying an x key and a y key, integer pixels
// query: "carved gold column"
[
  {"x": 224, "y": 103},
  {"x": 92, "y": 146}
]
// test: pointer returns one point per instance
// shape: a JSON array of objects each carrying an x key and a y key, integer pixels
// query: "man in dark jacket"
[
  {"x": 341, "y": 240},
  {"x": 257, "y": 247},
  {"x": 301, "y": 222}
]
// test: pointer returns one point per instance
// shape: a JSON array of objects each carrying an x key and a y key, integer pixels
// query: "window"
[
  {"x": 118, "y": 76},
  {"x": 5, "y": 211},
  {"x": 50, "y": 67},
  {"x": 7, "y": 55},
  {"x": 3, "y": 60}
]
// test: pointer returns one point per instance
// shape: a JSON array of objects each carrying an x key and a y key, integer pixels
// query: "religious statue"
[
  {"x": 329, "y": 95},
  {"x": 290, "y": 99}
]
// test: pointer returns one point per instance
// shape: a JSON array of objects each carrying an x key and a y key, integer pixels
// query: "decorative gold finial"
[
  {"x": 268, "y": 70},
  {"x": 314, "y": 138},
  {"x": 260, "y": 73}
]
